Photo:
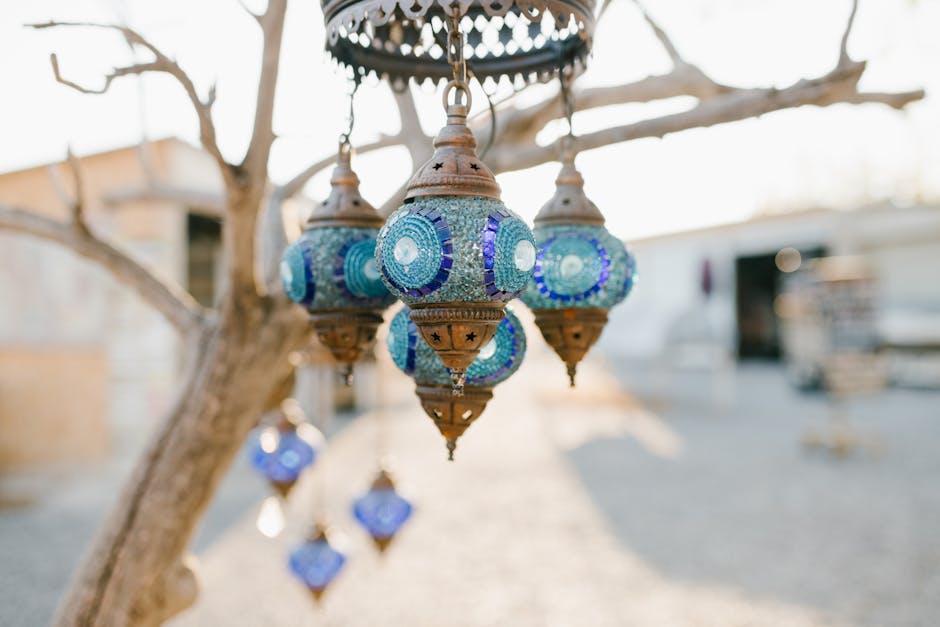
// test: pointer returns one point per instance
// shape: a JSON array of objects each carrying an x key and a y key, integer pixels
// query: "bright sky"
[{"x": 838, "y": 156}]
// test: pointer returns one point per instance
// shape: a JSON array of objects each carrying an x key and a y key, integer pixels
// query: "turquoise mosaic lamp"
[
  {"x": 499, "y": 359},
  {"x": 581, "y": 270},
  {"x": 331, "y": 269},
  {"x": 453, "y": 252}
]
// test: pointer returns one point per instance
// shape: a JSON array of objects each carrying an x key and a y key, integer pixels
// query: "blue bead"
[
  {"x": 382, "y": 512},
  {"x": 316, "y": 563}
]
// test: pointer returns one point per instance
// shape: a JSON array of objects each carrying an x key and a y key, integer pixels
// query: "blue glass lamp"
[
  {"x": 280, "y": 452},
  {"x": 453, "y": 252},
  {"x": 581, "y": 270},
  {"x": 382, "y": 510},
  {"x": 331, "y": 269},
  {"x": 496, "y": 362},
  {"x": 316, "y": 563}
]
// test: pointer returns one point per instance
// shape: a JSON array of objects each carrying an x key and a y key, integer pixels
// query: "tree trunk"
[{"x": 136, "y": 572}]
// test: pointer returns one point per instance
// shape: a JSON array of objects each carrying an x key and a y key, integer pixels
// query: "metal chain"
[
  {"x": 455, "y": 56},
  {"x": 567, "y": 99},
  {"x": 344, "y": 138},
  {"x": 566, "y": 143}
]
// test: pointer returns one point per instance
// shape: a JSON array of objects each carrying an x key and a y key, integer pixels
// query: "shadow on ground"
[{"x": 743, "y": 504}]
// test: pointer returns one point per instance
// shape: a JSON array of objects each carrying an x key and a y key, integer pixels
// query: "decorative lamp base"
[
  {"x": 571, "y": 332},
  {"x": 457, "y": 333},
  {"x": 452, "y": 415},
  {"x": 346, "y": 334}
]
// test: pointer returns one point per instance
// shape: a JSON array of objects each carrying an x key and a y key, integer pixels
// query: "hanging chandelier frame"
[{"x": 398, "y": 40}]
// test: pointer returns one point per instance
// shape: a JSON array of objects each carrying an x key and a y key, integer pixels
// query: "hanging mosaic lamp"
[
  {"x": 497, "y": 361},
  {"x": 453, "y": 252},
  {"x": 581, "y": 270},
  {"x": 382, "y": 510},
  {"x": 331, "y": 268},
  {"x": 316, "y": 563},
  {"x": 280, "y": 452}
]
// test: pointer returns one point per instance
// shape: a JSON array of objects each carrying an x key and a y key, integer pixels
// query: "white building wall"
[{"x": 667, "y": 306}]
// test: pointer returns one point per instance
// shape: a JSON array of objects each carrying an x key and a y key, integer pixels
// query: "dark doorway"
[
  {"x": 758, "y": 284},
  {"x": 758, "y": 335},
  {"x": 204, "y": 253}
]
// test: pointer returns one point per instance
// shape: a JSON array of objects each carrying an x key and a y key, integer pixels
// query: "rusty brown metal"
[
  {"x": 571, "y": 332},
  {"x": 345, "y": 206},
  {"x": 454, "y": 169},
  {"x": 569, "y": 205},
  {"x": 394, "y": 27},
  {"x": 383, "y": 481},
  {"x": 346, "y": 333},
  {"x": 457, "y": 332},
  {"x": 452, "y": 415}
]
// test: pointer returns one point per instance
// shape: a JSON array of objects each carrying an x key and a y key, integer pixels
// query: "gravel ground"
[
  {"x": 744, "y": 505},
  {"x": 588, "y": 508},
  {"x": 585, "y": 507},
  {"x": 52, "y": 517}
]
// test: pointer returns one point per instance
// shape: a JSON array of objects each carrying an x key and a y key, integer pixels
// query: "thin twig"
[
  {"x": 160, "y": 63},
  {"x": 78, "y": 199},
  {"x": 661, "y": 35},
  {"x": 843, "y": 45},
  {"x": 292, "y": 187},
  {"x": 255, "y": 163}
]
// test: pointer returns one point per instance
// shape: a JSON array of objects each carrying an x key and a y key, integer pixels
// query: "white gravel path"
[{"x": 584, "y": 508}]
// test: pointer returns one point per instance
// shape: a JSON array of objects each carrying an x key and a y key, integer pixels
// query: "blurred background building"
[{"x": 713, "y": 295}]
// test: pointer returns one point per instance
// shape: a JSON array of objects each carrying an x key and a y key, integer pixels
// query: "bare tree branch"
[
  {"x": 895, "y": 100},
  {"x": 160, "y": 63},
  {"x": 129, "y": 70},
  {"x": 718, "y": 103},
  {"x": 262, "y": 134},
  {"x": 293, "y": 186},
  {"x": 521, "y": 125},
  {"x": 837, "y": 86},
  {"x": 74, "y": 201},
  {"x": 176, "y": 305}
]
